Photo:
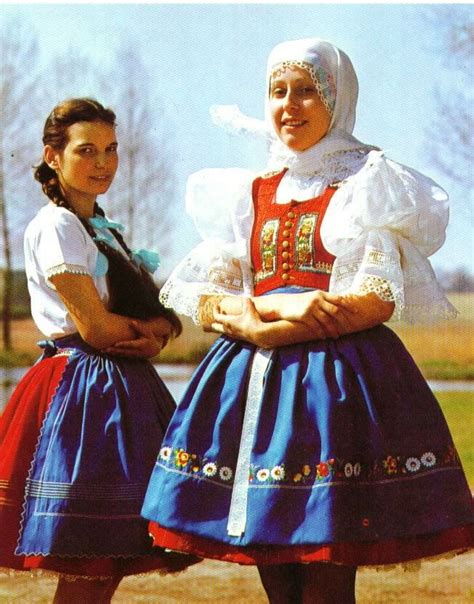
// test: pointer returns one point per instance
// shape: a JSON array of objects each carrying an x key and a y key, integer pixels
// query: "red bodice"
[{"x": 286, "y": 247}]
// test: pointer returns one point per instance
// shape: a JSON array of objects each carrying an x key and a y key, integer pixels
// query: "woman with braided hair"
[{"x": 79, "y": 437}]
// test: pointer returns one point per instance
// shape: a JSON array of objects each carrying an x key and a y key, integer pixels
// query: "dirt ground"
[{"x": 449, "y": 581}]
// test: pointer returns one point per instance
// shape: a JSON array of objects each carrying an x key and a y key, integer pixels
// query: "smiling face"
[
  {"x": 298, "y": 114},
  {"x": 87, "y": 164}
]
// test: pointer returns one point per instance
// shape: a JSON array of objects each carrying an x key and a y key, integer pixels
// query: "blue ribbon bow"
[
  {"x": 100, "y": 222},
  {"x": 148, "y": 259}
]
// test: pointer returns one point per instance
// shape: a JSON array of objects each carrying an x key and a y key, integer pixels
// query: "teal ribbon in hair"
[
  {"x": 100, "y": 222},
  {"x": 147, "y": 258}
]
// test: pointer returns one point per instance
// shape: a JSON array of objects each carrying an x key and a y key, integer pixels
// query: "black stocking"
[
  {"x": 282, "y": 583},
  {"x": 326, "y": 583}
]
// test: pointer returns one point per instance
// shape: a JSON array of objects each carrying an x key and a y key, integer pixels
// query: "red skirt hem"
[
  {"x": 109, "y": 567},
  {"x": 391, "y": 551}
]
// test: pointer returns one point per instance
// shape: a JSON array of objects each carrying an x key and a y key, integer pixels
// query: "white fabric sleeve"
[
  {"x": 382, "y": 224},
  {"x": 61, "y": 246},
  {"x": 219, "y": 201}
]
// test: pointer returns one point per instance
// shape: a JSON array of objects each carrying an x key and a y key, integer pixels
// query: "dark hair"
[{"x": 132, "y": 291}]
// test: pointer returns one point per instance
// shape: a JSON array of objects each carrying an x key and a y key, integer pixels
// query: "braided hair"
[{"x": 132, "y": 291}]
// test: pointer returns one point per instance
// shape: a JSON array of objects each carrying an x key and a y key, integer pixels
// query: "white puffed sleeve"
[
  {"x": 62, "y": 245},
  {"x": 382, "y": 224},
  {"x": 220, "y": 203}
]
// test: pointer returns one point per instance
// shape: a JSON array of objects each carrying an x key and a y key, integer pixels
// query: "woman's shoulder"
[
  {"x": 215, "y": 195},
  {"x": 51, "y": 219},
  {"x": 377, "y": 169},
  {"x": 386, "y": 195}
]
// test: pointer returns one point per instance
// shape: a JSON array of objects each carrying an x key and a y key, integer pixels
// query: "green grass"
[
  {"x": 14, "y": 358},
  {"x": 458, "y": 408},
  {"x": 447, "y": 370}
]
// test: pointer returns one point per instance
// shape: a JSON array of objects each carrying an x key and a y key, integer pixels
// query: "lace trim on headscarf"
[{"x": 322, "y": 80}]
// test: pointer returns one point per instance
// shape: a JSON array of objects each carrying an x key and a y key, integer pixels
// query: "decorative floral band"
[{"x": 304, "y": 475}]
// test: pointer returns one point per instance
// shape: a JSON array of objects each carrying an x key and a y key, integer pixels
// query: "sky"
[{"x": 198, "y": 55}]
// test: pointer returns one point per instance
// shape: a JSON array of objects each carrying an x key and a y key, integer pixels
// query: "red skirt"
[
  {"x": 393, "y": 551},
  {"x": 20, "y": 427}
]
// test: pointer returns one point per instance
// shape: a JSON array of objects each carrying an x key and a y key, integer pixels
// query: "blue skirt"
[
  {"x": 92, "y": 452},
  {"x": 325, "y": 442}
]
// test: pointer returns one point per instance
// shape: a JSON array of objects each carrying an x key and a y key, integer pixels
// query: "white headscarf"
[{"x": 332, "y": 158}]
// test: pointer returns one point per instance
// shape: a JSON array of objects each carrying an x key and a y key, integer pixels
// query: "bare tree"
[
  {"x": 451, "y": 135},
  {"x": 145, "y": 184},
  {"x": 18, "y": 48},
  {"x": 70, "y": 74}
]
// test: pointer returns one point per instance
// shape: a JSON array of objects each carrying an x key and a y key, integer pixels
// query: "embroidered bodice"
[{"x": 286, "y": 246}]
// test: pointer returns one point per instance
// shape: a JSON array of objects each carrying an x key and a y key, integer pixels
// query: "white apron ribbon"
[{"x": 238, "y": 503}]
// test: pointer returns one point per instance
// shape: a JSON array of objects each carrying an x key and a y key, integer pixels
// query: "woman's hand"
[
  {"x": 150, "y": 340},
  {"x": 332, "y": 314},
  {"x": 248, "y": 325},
  {"x": 244, "y": 325},
  {"x": 312, "y": 316},
  {"x": 104, "y": 330}
]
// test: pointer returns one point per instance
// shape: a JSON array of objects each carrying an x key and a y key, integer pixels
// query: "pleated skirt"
[
  {"x": 330, "y": 450},
  {"x": 78, "y": 441}
]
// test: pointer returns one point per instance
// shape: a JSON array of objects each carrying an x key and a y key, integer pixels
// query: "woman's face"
[
  {"x": 87, "y": 165},
  {"x": 298, "y": 114}
]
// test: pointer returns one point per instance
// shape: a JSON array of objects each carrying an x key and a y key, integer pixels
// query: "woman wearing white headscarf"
[{"x": 308, "y": 435}]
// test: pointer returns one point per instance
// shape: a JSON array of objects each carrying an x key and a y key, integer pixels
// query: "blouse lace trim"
[{"x": 60, "y": 269}]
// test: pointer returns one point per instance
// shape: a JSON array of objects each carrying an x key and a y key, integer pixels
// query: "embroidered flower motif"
[
  {"x": 210, "y": 469},
  {"x": 428, "y": 459},
  {"x": 165, "y": 453},
  {"x": 390, "y": 464},
  {"x": 333, "y": 469},
  {"x": 278, "y": 472},
  {"x": 348, "y": 470},
  {"x": 322, "y": 470},
  {"x": 263, "y": 475},
  {"x": 225, "y": 473},
  {"x": 413, "y": 464},
  {"x": 182, "y": 458}
]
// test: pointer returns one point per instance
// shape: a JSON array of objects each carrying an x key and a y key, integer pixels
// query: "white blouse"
[
  {"x": 56, "y": 242},
  {"x": 382, "y": 224}
]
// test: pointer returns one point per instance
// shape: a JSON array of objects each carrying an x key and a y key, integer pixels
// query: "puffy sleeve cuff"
[
  {"x": 219, "y": 202},
  {"x": 61, "y": 247},
  {"x": 382, "y": 224}
]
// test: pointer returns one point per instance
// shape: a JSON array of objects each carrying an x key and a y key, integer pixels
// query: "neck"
[
  {"x": 83, "y": 207},
  {"x": 82, "y": 204}
]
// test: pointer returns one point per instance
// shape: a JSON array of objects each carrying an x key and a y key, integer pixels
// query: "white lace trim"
[
  {"x": 182, "y": 304},
  {"x": 60, "y": 269},
  {"x": 332, "y": 167},
  {"x": 208, "y": 269},
  {"x": 238, "y": 505}
]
